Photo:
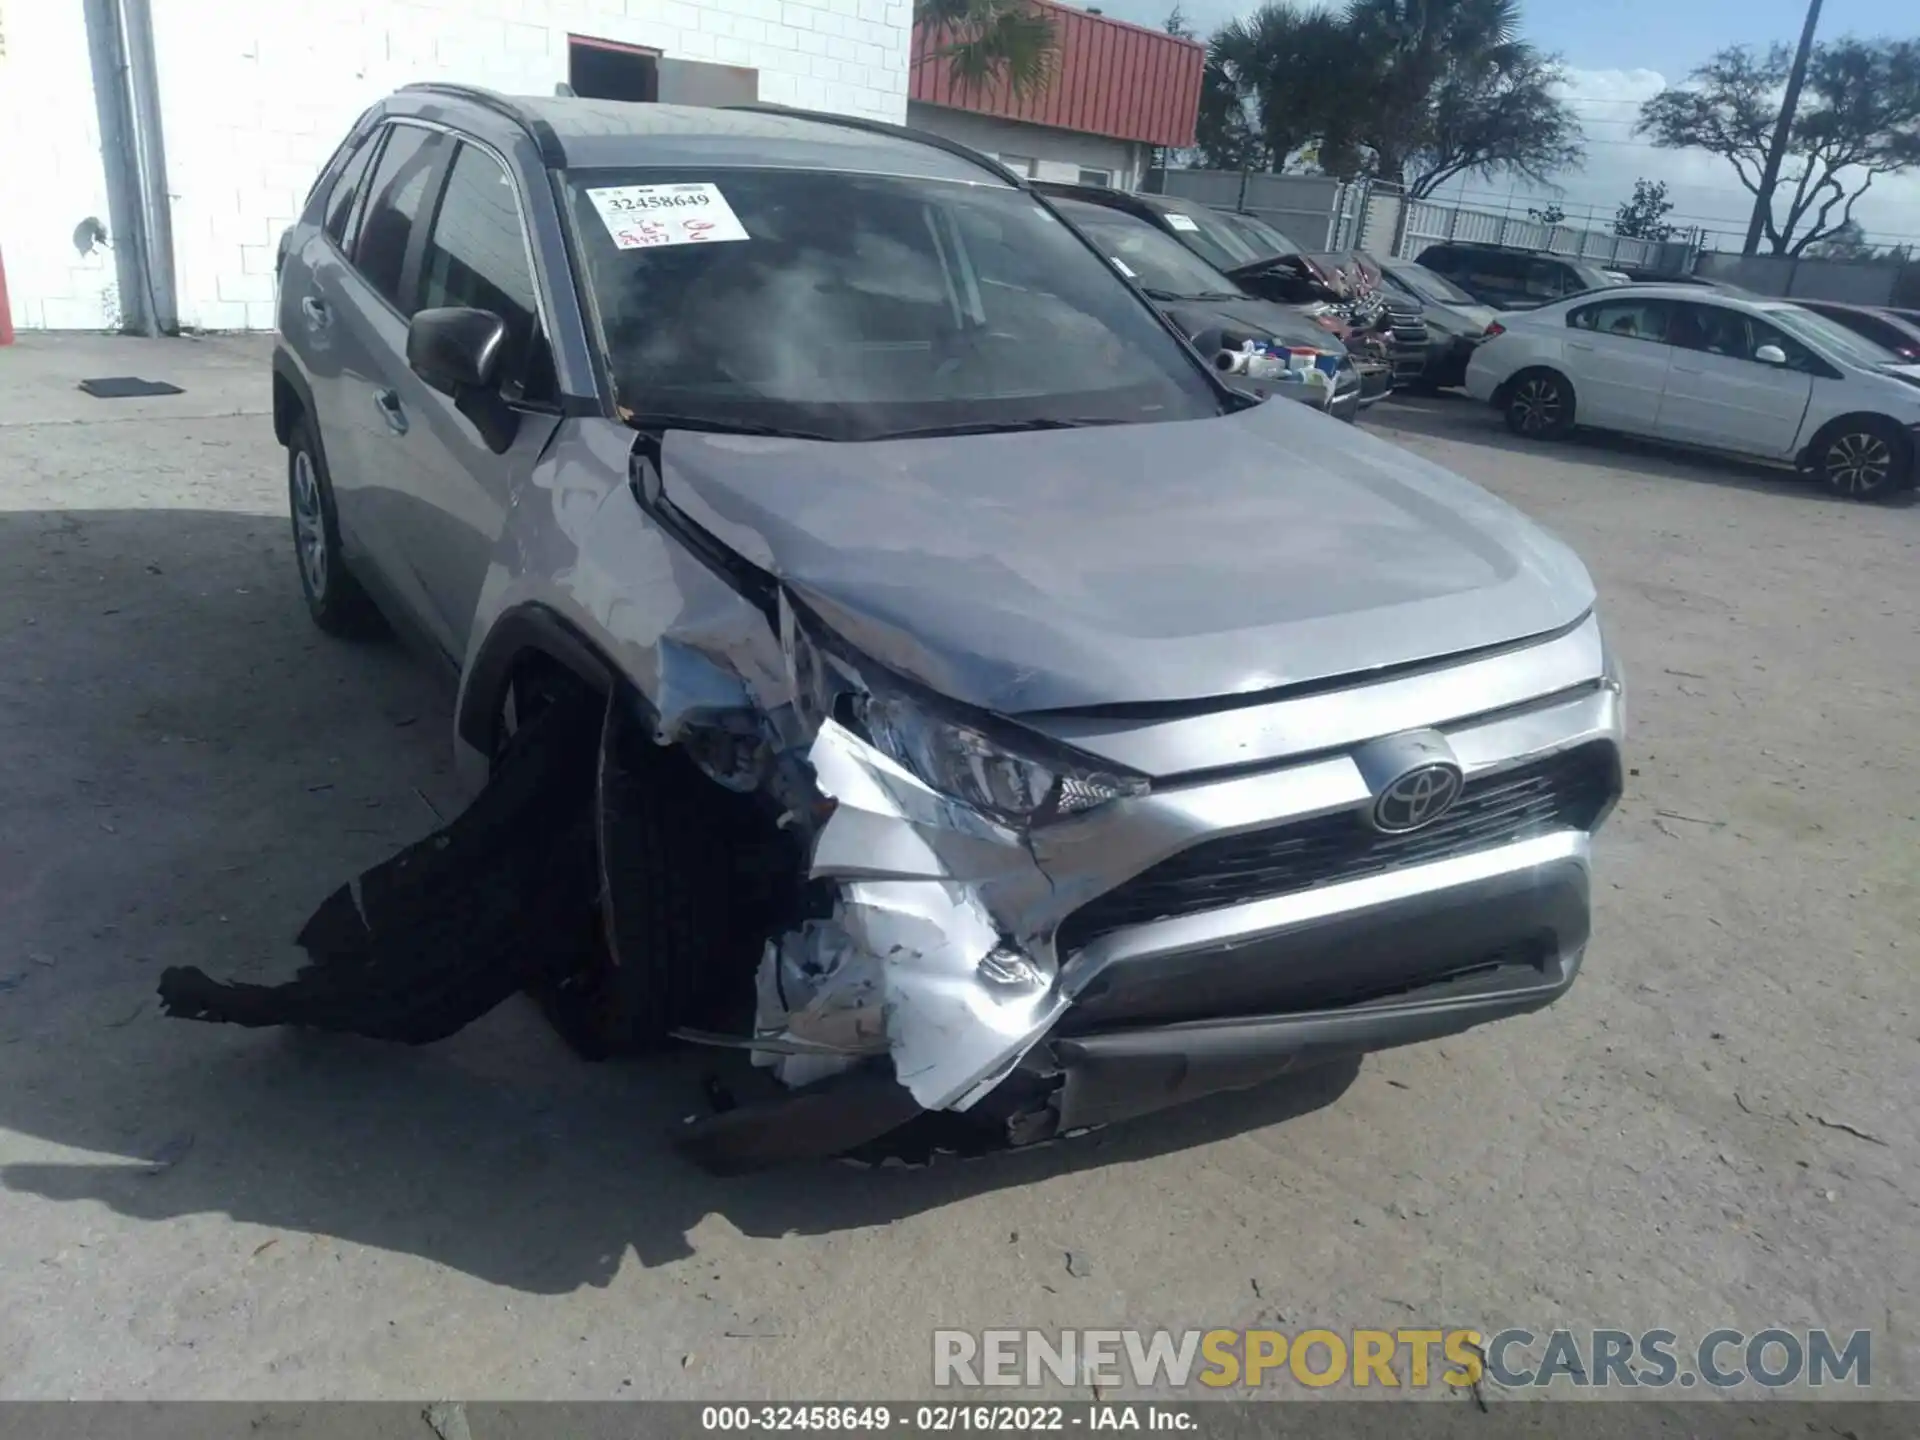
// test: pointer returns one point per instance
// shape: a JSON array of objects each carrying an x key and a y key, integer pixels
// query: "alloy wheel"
[
  {"x": 1537, "y": 404},
  {"x": 1859, "y": 463},
  {"x": 309, "y": 525}
]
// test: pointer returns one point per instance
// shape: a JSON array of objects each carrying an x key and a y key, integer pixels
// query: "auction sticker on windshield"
[
  {"x": 1181, "y": 222},
  {"x": 640, "y": 216}
]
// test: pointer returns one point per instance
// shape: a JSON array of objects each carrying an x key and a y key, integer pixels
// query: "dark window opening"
[
  {"x": 343, "y": 199},
  {"x": 602, "y": 70},
  {"x": 400, "y": 188}
]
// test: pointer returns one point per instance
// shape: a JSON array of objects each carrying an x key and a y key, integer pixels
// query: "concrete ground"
[{"x": 1715, "y": 1129}]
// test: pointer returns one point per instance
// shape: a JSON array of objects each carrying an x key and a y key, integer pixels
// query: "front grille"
[
  {"x": 1565, "y": 791},
  {"x": 1408, "y": 327}
]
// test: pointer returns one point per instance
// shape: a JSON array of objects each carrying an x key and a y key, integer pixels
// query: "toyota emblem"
[{"x": 1416, "y": 799}]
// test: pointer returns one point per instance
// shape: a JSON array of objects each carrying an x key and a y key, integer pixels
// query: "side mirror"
[
  {"x": 1770, "y": 355},
  {"x": 456, "y": 349}
]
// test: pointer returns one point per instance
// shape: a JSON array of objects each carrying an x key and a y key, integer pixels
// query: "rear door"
[
  {"x": 1720, "y": 393},
  {"x": 311, "y": 281},
  {"x": 369, "y": 310},
  {"x": 1617, "y": 357}
]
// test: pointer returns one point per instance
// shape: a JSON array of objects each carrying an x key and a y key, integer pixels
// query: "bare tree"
[{"x": 1858, "y": 119}]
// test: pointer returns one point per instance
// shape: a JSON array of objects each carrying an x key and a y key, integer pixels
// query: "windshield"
[
  {"x": 1202, "y": 231},
  {"x": 1258, "y": 233},
  {"x": 1428, "y": 285},
  {"x": 1158, "y": 261},
  {"x": 1826, "y": 335},
  {"x": 857, "y": 306}
]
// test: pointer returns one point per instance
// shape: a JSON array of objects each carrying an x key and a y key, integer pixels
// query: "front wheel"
[
  {"x": 1540, "y": 405},
  {"x": 1864, "y": 459}
]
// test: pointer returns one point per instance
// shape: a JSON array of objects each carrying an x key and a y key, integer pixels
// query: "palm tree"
[
  {"x": 1407, "y": 52},
  {"x": 987, "y": 40},
  {"x": 1276, "y": 74}
]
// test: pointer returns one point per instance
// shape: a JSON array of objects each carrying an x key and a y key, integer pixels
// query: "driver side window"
[
  {"x": 476, "y": 256},
  {"x": 1799, "y": 358}
]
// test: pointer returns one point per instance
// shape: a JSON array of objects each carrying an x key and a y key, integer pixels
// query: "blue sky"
[{"x": 1620, "y": 53}]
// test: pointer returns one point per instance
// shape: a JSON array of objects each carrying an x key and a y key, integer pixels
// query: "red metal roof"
[{"x": 1110, "y": 78}]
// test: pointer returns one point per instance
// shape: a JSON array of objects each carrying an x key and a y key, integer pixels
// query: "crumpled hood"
[{"x": 1131, "y": 563}]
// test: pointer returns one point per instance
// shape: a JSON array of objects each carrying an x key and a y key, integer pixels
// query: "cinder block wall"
[
  {"x": 254, "y": 95},
  {"x": 50, "y": 173}
]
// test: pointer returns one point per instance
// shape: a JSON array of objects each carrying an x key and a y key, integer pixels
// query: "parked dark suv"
[
  {"x": 1511, "y": 279},
  {"x": 894, "y": 650}
]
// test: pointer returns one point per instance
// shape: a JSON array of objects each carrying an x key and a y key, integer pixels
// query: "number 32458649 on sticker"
[{"x": 640, "y": 216}]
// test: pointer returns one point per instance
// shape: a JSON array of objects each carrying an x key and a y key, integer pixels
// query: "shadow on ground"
[
  {"x": 187, "y": 769},
  {"x": 1452, "y": 415}
]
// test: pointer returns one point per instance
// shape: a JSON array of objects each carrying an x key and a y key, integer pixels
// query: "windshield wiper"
[
  {"x": 991, "y": 427},
  {"x": 713, "y": 425}
]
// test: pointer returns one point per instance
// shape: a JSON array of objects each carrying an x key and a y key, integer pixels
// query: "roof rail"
[
  {"x": 898, "y": 132},
  {"x": 552, "y": 153}
]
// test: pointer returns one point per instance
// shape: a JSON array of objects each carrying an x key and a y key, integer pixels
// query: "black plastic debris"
[
  {"x": 833, "y": 1116},
  {"x": 500, "y": 899},
  {"x": 127, "y": 387}
]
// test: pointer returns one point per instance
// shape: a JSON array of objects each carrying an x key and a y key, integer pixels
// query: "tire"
[
  {"x": 683, "y": 919},
  {"x": 334, "y": 598},
  {"x": 1865, "y": 458},
  {"x": 1539, "y": 405}
]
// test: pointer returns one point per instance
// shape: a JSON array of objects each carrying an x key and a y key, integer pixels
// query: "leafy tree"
[
  {"x": 988, "y": 41},
  {"x": 1412, "y": 91},
  {"x": 1858, "y": 119},
  {"x": 1644, "y": 217},
  {"x": 1270, "y": 79}
]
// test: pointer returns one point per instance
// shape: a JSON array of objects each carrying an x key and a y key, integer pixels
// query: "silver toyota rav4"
[{"x": 977, "y": 706}]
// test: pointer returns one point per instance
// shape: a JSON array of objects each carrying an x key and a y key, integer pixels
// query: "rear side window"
[
  {"x": 398, "y": 192},
  {"x": 1628, "y": 319},
  {"x": 342, "y": 200},
  {"x": 1549, "y": 280},
  {"x": 476, "y": 255}
]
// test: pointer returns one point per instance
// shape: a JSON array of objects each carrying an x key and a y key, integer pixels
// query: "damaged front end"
[
  {"x": 834, "y": 846},
  {"x": 938, "y": 948}
]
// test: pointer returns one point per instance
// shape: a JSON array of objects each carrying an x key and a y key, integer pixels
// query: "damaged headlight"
[
  {"x": 959, "y": 760},
  {"x": 967, "y": 764}
]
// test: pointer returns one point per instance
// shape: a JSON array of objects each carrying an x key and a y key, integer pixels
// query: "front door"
[
  {"x": 1617, "y": 357},
  {"x": 1726, "y": 389},
  {"x": 476, "y": 257}
]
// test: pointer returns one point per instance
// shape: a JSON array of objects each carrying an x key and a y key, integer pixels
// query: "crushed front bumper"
[{"x": 1232, "y": 922}]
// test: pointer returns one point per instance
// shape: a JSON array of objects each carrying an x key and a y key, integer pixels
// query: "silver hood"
[{"x": 1132, "y": 563}]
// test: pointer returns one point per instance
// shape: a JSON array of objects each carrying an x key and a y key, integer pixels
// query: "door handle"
[
  {"x": 316, "y": 312},
  {"x": 1579, "y": 344},
  {"x": 1688, "y": 369},
  {"x": 387, "y": 402}
]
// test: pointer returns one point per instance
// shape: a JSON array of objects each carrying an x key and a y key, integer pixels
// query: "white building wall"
[
  {"x": 254, "y": 95},
  {"x": 51, "y": 177},
  {"x": 1059, "y": 154}
]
